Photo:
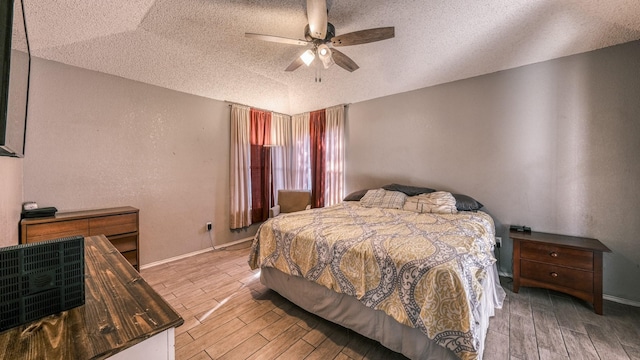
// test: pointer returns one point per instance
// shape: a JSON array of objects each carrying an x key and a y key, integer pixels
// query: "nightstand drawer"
[
  {"x": 557, "y": 275},
  {"x": 580, "y": 259}
]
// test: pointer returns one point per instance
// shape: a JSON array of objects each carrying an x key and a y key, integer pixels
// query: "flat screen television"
[{"x": 14, "y": 83}]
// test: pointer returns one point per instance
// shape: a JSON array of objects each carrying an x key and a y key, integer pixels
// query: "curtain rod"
[
  {"x": 346, "y": 105},
  {"x": 275, "y": 112},
  {"x": 236, "y": 103}
]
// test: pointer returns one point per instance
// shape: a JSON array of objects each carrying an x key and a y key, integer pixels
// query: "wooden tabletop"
[
  {"x": 565, "y": 240},
  {"x": 120, "y": 310}
]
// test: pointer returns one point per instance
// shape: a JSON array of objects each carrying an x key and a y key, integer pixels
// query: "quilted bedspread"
[{"x": 424, "y": 270}]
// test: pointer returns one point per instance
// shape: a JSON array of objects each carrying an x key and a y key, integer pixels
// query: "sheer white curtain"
[
  {"x": 301, "y": 152},
  {"x": 240, "y": 161},
  {"x": 281, "y": 153},
  {"x": 334, "y": 145}
]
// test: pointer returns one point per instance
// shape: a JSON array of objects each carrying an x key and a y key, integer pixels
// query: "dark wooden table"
[{"x": 120, "y": 311}]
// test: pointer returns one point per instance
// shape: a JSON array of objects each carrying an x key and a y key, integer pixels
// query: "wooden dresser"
[
  {"x": 119, "y": 225},
  {"x": 122, "y": 317},
  {"x": 569, "y": 264}
]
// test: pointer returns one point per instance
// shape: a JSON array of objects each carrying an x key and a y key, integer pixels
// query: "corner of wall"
[{"x": 11, "y": 197}]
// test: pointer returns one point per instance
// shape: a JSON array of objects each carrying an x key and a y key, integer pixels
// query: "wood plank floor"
[{"x": 229, "y": 315}]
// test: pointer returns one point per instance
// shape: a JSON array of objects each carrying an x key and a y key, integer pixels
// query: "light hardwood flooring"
[{"x": 229, "y": 314}]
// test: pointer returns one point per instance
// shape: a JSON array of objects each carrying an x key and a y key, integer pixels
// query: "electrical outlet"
[
  {"x": 498, "y": 241},
  {"x": 209, "y": 226}
]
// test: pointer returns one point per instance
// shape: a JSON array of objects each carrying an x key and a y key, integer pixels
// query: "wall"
[
  {"x": 552, "y": 145},
  {"x": 96, "y": 140},
  {"x": 10, "y": 199}
]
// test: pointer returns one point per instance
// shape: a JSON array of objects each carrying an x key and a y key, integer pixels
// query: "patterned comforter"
[{"x": 424, "y": 270}]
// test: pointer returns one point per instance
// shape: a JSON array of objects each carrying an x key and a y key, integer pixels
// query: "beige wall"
[
  {"x": 553, "y": 146},
  {"x": 10, "y": 199},
  {"x": 96, "y": 140}
]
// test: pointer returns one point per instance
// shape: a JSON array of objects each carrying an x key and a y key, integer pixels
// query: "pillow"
[
  {"x": 383, "y": 199},
  {"x": 408, "y": 190},
  {"x": 356, "y": 195},
  {"x": 467, "y": 203},
  {"x": 439, "y": 202}
]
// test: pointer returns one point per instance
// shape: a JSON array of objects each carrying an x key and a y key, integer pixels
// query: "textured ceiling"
[{"x": 198, "y": 46}]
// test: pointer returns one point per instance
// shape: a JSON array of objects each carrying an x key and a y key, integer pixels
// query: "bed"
[{"x": 422, "y": 284}]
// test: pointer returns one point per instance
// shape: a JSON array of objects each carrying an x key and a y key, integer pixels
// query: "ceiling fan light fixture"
[
  {"x": 324, "y": 53},
  {"x": 323, "y": 50},
  {"x": 307, "y": 57},
  {"x": 327, "y": 62}
]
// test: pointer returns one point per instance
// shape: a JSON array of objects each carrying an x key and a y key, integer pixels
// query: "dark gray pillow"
[
  {"x": 356, "y": 195},
  {"x": 466, "y": 203},
  {"x": 408, "y": 190}
]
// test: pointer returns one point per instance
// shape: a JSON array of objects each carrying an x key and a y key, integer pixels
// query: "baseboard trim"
[
  {"x": 621, "y": 300},
  {"x": 221, "y": 246},
  {"x": 160, "y": 262},
  {"x": 226, "y": 245}
]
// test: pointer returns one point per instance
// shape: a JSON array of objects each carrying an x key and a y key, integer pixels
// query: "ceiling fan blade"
[
  {"x": 364, "y": 36},
  {"x": 317, "y": 16},
  {"x": 277, "y": 39},
  {"x": 295, "y": 64},
  {"x": 344, "y": 61}
]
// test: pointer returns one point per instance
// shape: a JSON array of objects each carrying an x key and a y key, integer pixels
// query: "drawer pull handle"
[
  {"x": 553, "y": 254},
  {"x": 554, "y": 274}
]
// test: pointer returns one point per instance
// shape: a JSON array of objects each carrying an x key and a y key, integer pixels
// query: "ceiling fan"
[{"x": 319, "y": 33}]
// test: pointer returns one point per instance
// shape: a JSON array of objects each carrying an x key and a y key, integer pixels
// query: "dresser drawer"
[
  {"x": 125, "y": 243},
  {"x": 557, "y": 275},
  {"x": 113, "y": 225},
  {"x": 547, "y": 253},
  {"x": 132, "y": 258},
  {"x": 55, "y": 230}
]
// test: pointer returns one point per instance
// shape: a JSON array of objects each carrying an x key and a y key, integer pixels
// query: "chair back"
[{"x": 293, "y": 200}]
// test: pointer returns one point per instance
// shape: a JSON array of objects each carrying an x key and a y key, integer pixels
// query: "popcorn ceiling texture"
[{"x": 198, "y": 46}]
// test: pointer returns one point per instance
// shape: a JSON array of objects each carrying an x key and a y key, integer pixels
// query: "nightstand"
[{"x": 569, "y": 264}]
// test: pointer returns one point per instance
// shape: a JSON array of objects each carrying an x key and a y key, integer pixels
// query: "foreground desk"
[{"x": 122, "y": 317}]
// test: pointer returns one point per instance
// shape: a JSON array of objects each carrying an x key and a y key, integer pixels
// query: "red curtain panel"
[
  {"x": 317, "y": 128},
  {"x": 260, "y": 165}
]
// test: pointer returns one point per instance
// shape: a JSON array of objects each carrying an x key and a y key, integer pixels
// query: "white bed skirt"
[{"x": 349, "y": 312}]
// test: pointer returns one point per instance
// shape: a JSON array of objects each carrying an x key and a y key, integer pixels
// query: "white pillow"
[
  {"x": 439, "y": 202},
  {"x": 382, "y": 198}
]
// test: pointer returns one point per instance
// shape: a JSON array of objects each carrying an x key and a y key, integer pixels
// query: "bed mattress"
[{"x": 427, "y": 272}]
